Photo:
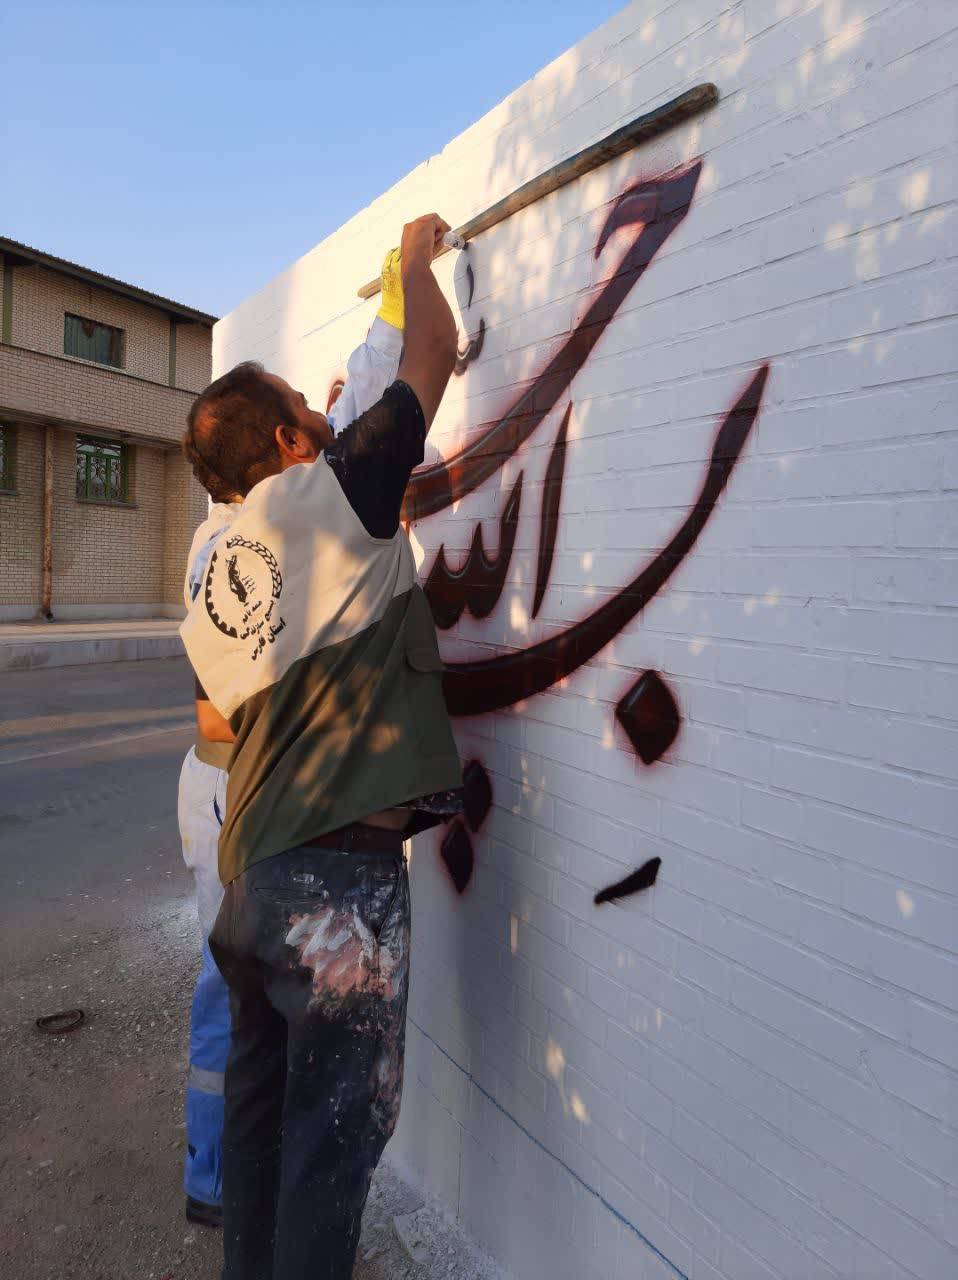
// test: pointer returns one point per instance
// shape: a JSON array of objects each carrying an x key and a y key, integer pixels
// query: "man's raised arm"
[{"x": 429, "y": 356}]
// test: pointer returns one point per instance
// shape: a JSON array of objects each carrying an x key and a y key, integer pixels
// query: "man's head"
[{"x": 248, "y": 425}]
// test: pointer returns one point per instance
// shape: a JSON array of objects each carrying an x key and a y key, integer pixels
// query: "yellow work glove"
[{"x": 392, "y": 308}]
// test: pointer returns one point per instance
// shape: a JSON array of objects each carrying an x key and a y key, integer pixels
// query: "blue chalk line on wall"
[{"x": 620, "y": 1217}]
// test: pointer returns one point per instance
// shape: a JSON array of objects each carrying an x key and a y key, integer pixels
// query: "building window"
[
  {"x": 8, "y": 446},
  {"x": 102, "y": 470},
  {"x": 89, "y": 340}
]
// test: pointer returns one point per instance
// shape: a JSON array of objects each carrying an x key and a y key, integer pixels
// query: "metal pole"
[
  {"x": 644, "y": 127},
  {"x": 46, "y": 602}
]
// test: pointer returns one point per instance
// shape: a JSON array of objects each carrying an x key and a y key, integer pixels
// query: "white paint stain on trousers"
[{"x": 343, "y": 954}]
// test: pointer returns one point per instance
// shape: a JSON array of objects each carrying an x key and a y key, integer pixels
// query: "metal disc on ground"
[{"x": 56, "y": 1023}]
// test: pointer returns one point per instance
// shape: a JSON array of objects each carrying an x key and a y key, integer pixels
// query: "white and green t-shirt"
[{"x": 310, "y": 633}]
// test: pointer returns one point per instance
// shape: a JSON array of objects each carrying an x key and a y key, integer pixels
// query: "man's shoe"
[{"x": 203, "y": 1215}]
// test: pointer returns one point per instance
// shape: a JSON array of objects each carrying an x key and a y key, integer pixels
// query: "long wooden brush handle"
[{"x": 644, "y": 127}]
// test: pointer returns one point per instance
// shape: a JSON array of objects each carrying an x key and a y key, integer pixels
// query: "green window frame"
[
  {"x": 90, "y": 340},
  {"x": 103, "y": 471},
  {"x": 8, "y": 458}
]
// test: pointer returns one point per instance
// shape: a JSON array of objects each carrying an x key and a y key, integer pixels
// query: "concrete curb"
[{"x": 75, "y": 651}]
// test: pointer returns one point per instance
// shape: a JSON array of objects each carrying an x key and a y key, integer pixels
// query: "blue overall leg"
[
  {"x": 209, "y": 1045},
  {"x": 201, "y": 800}
]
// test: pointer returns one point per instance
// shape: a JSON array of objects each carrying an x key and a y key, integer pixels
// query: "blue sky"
[{"x": 197, "y": 148}]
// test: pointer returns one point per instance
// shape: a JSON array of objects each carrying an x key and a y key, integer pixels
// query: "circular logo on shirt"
[{"x": 243, "y": 587}]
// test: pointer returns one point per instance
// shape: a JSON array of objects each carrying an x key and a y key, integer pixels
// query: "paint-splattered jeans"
[{"x": 314, "y": 946}]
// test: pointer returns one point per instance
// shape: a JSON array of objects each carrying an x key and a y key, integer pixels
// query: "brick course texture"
[
  {"x": 42, "y": 296},
  {"x": 192, "y": 356},
  {"x": 108, "y": 552},
  {"x": 105, "y": 559},
  {"x": 21, "y": 521},
  {"x": 747, "y": 1072}
]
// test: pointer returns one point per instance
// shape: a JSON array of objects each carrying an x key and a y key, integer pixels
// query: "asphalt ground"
[{"x": 96, "y": 913}]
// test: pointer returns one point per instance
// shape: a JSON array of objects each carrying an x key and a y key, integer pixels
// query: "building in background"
[{"x": 97, "y": 504}]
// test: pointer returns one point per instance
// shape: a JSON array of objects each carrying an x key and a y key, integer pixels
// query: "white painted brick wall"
[{"x": 750, "y": 1071}]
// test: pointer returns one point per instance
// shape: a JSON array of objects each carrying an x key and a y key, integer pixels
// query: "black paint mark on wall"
[
  {"x": 648, "y": 712},
  {"x": 663, "y": 206},
  {"x": 650, "y": 716},
  {"x": 549, "y": 520},
  {"x": 477, "y": 794},
  {"x": 478, "y": 584},
  {"x": 456, "y": 848},
  {"x": 644, "y": 878},
  {"x": 471, "y": 351},
  {"x": 476, "y": 688},
  {"x": 456, "y": 851}
]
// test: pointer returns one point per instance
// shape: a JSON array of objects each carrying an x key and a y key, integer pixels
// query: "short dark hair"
[{"x": 230, "y": 433}]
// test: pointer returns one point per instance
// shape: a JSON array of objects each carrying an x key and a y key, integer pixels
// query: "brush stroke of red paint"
[{"x": 659, "y": 206}]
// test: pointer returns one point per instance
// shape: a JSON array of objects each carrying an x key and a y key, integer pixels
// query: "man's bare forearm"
[
  {"x": 429, "y": 356},
  {"x": 211, "y": 724}
]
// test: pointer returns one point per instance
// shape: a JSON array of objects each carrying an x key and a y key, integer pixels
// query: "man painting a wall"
[
  {"x": 202, "y": 787},
  {"x": 313, "y": 638}
]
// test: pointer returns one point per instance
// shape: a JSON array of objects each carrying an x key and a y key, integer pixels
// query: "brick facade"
[
  {"x": 109, "y": 552},
  {"x": 184, "y": 511},
  {"x": 21, "y": 522},
  {"x": 192, "y": 356},
  {"x": 106, "y": 559},
  {"x": 750, "y": 1071},
  {"x": 42, "y": 297}
]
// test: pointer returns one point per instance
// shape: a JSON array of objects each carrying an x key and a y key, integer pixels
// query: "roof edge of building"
[{"x": 14, "y": 249}]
